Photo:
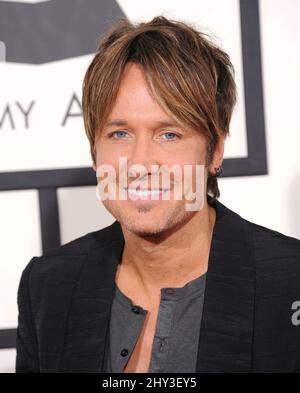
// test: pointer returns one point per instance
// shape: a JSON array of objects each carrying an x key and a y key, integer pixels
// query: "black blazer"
[{"x": 253, "y": 278}]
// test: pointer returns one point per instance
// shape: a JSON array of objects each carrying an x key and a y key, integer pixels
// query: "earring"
[{"x": 218, "y": 171}]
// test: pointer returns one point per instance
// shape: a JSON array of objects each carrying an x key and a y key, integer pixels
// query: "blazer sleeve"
[{"x": 26, "y": 340}]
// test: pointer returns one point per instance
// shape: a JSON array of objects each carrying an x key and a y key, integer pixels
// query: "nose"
[{"x": 143, "y": 152}]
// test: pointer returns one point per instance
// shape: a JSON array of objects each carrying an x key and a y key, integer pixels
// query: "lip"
[
  {"x": 145, "y": 197},
  {"x": 145, "y": 189}
]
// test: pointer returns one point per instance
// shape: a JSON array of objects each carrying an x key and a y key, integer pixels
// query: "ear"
[{"x": 218, "y": 155}]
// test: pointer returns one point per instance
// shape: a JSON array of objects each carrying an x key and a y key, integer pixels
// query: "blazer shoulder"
[
  {"x": 63, "y": 264},
  {"x": 79, "y": 247},
  {"x": 273, "y": 248},
  {"x": 265, "y": 238}
]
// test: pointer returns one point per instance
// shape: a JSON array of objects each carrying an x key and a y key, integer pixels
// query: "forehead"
[
  {"x": 134, "y": 91},
  {"x": 135, "y": 102}
]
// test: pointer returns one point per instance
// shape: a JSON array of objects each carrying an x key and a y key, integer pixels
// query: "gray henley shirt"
[{"x": 175, "y": 343}]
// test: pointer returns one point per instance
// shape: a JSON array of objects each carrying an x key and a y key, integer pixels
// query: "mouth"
[{"x": 145, "y": 193}]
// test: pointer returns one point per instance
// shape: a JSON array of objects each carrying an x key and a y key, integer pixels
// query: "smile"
[
  {"x": 145, "y": 195},
  {"x": 144, "y": 192}
]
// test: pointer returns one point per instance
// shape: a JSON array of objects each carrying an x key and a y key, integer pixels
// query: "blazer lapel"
[
  {"x": 87, "y": 329},
  {"x": 225, "y": 342}
]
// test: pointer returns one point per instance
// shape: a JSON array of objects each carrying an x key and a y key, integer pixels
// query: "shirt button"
[
  {"x": 124, "y": 352},
  {"x": 135, "y": 309}
]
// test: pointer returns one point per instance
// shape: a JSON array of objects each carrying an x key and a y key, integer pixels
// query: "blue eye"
[
  {"x": 172, "y": 134},
  {"x": 123, "y": 133}
]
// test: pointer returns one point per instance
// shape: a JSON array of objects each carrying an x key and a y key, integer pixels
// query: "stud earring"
[{"x": 218, "y": 171}]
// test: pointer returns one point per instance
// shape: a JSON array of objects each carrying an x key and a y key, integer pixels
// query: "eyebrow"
[{"x": 160, "y": 123}]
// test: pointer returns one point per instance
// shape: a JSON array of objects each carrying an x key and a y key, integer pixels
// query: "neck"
[{"x": 171, "y": 260}]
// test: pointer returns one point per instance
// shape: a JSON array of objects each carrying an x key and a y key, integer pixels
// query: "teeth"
[{"x": 143, "y": 192}]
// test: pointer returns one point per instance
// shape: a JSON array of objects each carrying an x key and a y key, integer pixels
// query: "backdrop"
[{"x": 47, "y": 186}]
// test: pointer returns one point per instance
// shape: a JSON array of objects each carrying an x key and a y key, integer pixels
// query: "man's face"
[{"x": 142, "y": 138}]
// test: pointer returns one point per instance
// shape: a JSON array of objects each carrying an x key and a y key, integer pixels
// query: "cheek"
[
  {"x": 190, "y": 157},
  {"x": 106, "y": 156},
  {"x": 106, "y": 165}
]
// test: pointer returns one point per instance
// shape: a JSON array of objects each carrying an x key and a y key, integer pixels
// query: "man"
[{"x": 164, "y": 288}]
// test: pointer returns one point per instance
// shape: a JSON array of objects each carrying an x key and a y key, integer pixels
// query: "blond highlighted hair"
[{"x": 189, "y": 76}]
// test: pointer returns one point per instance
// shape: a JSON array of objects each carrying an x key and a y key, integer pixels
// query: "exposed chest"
[{"x": 140, "y": 357}]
